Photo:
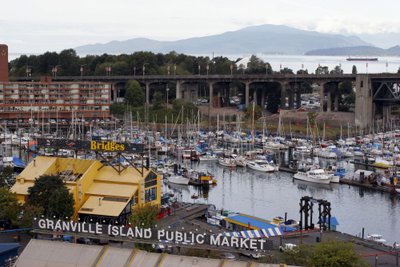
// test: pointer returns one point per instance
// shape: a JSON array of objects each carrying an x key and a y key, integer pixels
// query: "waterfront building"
[
  {"x": 101, "y": 193},
  {"x": 47, "y": 100}
]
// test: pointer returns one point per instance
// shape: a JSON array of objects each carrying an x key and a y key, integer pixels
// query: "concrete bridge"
[{"x": 377, "y": 95}]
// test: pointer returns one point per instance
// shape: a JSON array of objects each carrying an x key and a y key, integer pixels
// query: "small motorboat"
[{"x": 376, "y": 238}]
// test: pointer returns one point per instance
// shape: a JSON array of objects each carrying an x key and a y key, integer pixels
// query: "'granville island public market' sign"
[{"x": 156, "y": 235}]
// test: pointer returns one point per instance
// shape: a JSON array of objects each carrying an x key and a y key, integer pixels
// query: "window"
[
  {"x": 151, "y": 180},
  {"x": 150, "y": 194}
]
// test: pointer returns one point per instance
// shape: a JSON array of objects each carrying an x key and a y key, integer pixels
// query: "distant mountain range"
[
  {"x": 356, "y": 51},
  {"x": 267, "y": 39}
]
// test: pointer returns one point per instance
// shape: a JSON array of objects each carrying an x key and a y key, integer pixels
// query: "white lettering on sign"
[{"x": 158, "y": 235}]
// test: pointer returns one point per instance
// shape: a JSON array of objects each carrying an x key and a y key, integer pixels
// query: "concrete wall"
[{"x": 364, "y": 113}]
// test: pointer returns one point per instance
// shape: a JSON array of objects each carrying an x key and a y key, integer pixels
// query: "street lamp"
[
  {"x": 54, "y": 70},
  {"x": 81, "y": 70},
  {"x": 28, "y": 71},
  {"x": 144, "y": 69},
  {"x": 167, "y": 89},
  {"x": 174, "y": 70},
  {"x": 108, "y": 71}
]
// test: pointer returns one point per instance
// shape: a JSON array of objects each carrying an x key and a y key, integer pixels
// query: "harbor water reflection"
[{"x": 269, "y": 195}]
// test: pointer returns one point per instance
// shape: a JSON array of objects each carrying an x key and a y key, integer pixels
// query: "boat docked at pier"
[
  {"x": 178, "y": 179},
  {"x": 376, "y": 238},
  {"x": 260, "y": 165},
  {"x": 313, "y": 175}
]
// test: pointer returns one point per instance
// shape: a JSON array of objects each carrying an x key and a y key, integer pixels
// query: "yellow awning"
[
  {"x": 104, "y": 206},
  {"x": 110, "y": 189}
]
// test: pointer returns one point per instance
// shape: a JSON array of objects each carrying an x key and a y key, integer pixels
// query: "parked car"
[
  {"x": 251, "y": 254},
  {"x": 287, "y": 247}
]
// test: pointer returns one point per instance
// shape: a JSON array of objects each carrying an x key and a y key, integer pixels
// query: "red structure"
[{"x": 3, "y": 63}]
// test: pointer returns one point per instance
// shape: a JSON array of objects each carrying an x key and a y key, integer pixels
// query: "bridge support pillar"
[
  {"x": 291, "y": 99},
  {"x": 263, "y": 98},
  {"x": 336, "y": 101},
  {"x": 178, "y": 90},
  {"x": 211, "y": 94},
  {"x": 298, "y": 99},
  {"x": 147, "y": 93},
  {"x": 284, "y": 87},
  {"x": 246, "y": 94},
  {"x": 321, "y": 97},
  {"x": 364, "y": 114},
  {"x": 329, "y": 102},
  {"x": 255, "y": 96}
]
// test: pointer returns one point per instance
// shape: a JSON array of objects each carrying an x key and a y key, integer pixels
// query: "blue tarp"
[
  {"x": 252, "y": 221},
  {"x": 5, "y": 247},
  {"x": 18, "y": 162},
  {"x": 334, "y": 221}
]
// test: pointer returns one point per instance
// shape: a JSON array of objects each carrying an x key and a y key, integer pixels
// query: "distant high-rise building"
[{"x": 3, "y": 63}]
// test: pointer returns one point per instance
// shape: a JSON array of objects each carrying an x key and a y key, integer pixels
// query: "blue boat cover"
[
  {"x": 5, "y": 247},
  {"x": 18, "y": 162}
]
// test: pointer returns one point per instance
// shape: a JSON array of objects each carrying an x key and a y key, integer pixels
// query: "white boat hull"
[
  {"x": 178, "y": 179},
  {"x": 317, "y": 179},
  {"x": 261, "y": 168}
]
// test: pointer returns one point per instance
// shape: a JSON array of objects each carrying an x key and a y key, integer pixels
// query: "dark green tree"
[
  {"x": 337, "y": 70},
  {"x": 322, "y": 70},
  {"x": 5, "y": 176},
  {"x": 286, "y": 70},
  {"x": 134, "y": 94},
  {"x": 50, "y": 193},
  {"x": 258, "y": 66},
  {"x": 302, "y": 71},
  {"x": 117, "y": 109},
  {"x": 158, "y": 100},
  {"x": 9, "y": 206},
  {"x": 29, "y": 212},
  {"x": 144, "y": 217},
  {"x": 325, "y": 254},
  {"x": 297, "y": 256},
  {"x": 257, "y": 112},
  {"x": 354, "y": 70},
  {"x": 334, "y": 253},
  {"x": 347, "y": 96}
]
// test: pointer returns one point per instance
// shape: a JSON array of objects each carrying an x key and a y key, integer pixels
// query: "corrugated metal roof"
[
  {"x": 40, "y": 253},
  {"x": 115, "y": 257},
  {"x": 184, "y": 261},
  {"x": 145, "y": 259}
]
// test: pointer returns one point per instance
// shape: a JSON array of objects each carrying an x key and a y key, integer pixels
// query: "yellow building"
[{"x": 100, "y": 192}]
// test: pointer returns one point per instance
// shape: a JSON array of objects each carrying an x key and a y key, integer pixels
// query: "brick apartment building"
[{"x": 51, "y": 100}]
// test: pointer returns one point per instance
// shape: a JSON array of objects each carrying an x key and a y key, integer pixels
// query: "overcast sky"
[{"x": 36, "y": 26}]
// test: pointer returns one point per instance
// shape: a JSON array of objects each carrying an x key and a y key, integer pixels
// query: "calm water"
[
  {"x": 270, "y": 195},
  {"x": 296, "y": 62}
]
